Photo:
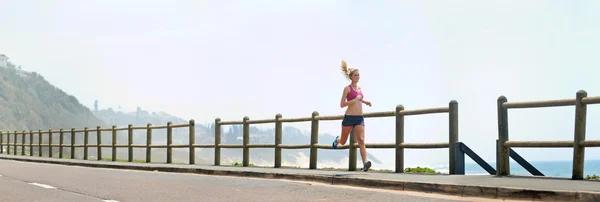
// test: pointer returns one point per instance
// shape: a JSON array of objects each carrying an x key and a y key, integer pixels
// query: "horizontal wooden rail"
[
  {"x": 424, "y": 145},
  {"x": 204, "y": 145},
  {"x": 231, "y": 123},
  {"x": 554, "y": 144},
  {"x": 328, "y": 146},
  {"x": 425, "y": 111},
  {"x": 590, "y": 143},
  {"x": 121, "y": 129},
  {"x": 261, "y": 121},
  {"x": 260, "y": 145},
  {"x": 158, "y": 127},
  {"x": 291, "y": 120},
  {"x": 376, "y": 145},
  {"x": 179, "y": 125},
  {"x": 326, "y": 118},
  {"x": 232, "y": 146},
  {"x": 538, "y": 104},
  {"x": 294, "y": 146},
  {"x": 379, "y": 114},
  {"x": 591, "y": 100}
]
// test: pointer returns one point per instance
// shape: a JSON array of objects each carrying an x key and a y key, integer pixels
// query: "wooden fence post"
[
  {"x": 114, "y": 143},
  {"x": 352, "y": 152},
  {"x": 72, "y": 143},
  {"x": 8, "y": 142},
  {"x": 60, "y": 143},
  {"x": 278, "y": 133},
  {"x": 580, "y": 124},
  {"x": 85, "y": 142},
  {"x": 399, "y": 139},
  {"x": 129, "y": 143},
  {"x": 314, "y": 139},
  {"x": 453, "y": 133},
  {"x": 99, "y": 142},
  {"x": 50, "y": 143},
  {"x": 30, "y": 143},
  {"x": 503, "y": 159},
  {"x": 148, "y": 142},
  {"x": 169, "y": 142},
  {"x": 1, "y": 142},
  {"x": 23, "y": 143},
  {"x": 217, "y": 142},
  {"x": 192, "y": 128},
  {"x": 40, "y": 151},
  {"x": 246, "y": 140},
  {"x": 15, "y": 143}
]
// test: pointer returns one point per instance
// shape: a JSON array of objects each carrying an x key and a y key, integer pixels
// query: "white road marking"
[
  {"x": 110, "y": 201},
  {"x": 43, "y": 185}
]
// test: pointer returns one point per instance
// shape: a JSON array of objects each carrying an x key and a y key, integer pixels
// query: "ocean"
[{"x": 561, "y": 169}]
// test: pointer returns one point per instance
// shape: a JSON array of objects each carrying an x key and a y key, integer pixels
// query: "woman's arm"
[{"x": 366, "y": 102}]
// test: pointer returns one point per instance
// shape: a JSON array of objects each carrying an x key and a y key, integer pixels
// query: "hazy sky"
[{"x": 229, "y": 59}]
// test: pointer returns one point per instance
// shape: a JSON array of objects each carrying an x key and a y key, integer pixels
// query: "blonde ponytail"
[{"x": 345, "y": 70}]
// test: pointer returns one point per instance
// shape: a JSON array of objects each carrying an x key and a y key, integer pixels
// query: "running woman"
[{"x": 352, "y": 97}]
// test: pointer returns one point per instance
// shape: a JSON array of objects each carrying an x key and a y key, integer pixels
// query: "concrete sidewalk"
[{"x": 487, "y": 186}]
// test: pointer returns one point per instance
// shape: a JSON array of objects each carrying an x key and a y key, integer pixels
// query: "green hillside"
[{"x": 28, "y": 101}]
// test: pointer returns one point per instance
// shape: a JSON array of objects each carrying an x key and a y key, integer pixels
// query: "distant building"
[{"x": 3, "y": 60}]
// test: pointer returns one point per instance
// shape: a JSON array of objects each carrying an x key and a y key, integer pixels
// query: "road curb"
[{"x": 513, "y": 193}]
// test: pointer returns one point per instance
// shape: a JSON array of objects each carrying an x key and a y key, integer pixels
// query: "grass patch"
[
  {"x": 421, "y": 170},
  {"x": 592, "y": 177},
  {"x": 241, "y": 164}
]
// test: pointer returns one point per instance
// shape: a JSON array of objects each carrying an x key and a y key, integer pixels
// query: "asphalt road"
[{"x": 23, "y": 181}]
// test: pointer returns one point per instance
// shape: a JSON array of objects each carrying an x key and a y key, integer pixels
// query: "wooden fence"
[
  {"x": 99, "y": 146},
  {"x": 578, "y": 144},
  {"x": 399, "y": 145}
]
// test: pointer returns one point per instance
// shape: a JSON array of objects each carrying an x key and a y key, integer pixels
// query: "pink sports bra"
[{"x": 352, "y": 94}]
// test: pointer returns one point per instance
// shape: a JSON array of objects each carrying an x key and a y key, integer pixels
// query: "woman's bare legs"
[
  {"x": 359, "y": 132},
  {"x": 345, "y": 134}
]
